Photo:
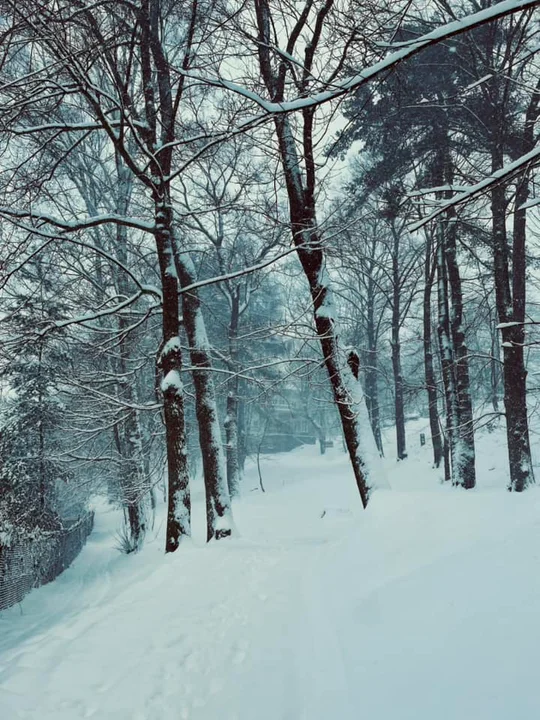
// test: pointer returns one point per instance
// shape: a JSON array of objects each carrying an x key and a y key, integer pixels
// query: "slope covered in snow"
[{"x": 426, "y": 606}]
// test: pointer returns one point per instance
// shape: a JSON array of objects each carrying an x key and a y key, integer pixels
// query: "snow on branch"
[
  {"x": 52, "y": 237},
  {"x": 515, "y": 323},
  {"x": 64, "y": 127},
  {"x": 74, "y": 225},
  {"x": 237, "y": 273},
  {"x": 143, "y": 287},
  {"x": 87, "y": 317},
  {"x": 172, "y": 383},
  {"x": 409, "y": 49},
  {"x": 114, "y": 400},
  {"x": 467, "y": 193}
]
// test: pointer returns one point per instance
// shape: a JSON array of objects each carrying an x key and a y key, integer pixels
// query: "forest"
[{"x": 244, "y": 235}]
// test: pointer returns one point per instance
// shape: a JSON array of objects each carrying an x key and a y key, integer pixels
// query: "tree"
[
  {"x": 130, "y": 95},
  {"x": 408, "y": 125},
  {"x": 299, "y": 169},
  {"x": 498, "y": 58},
  {"x": 31, "y": 468},
  {"x": 228, "y": 209}
]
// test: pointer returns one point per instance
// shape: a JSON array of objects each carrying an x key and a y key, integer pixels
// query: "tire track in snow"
[{"x": 324, "y": 674}]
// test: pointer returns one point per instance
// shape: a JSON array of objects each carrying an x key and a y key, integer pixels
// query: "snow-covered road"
[{"x": 427, "y": 606}]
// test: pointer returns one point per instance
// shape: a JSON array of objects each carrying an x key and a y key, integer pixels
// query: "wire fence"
[{"x": 27, "y": 565}]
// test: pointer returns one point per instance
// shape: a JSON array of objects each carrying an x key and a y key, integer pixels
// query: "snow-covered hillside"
[{"x": 426, "y": 606}]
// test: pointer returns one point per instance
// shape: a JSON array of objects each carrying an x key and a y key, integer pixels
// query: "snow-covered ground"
[{"x": 426, "y": 606}]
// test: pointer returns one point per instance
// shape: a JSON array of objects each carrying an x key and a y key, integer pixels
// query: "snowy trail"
[
  {"x": 182, "y": 636},
  {"x": 450, "y": 630},
  {"x": 426, "y": 606}
]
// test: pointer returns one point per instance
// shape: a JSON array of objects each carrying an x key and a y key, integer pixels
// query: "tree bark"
[
  {"x": 178, "y": 496},
  {"x": 512, "y": 310},
  {"x": 134, "y": 480},
  {"x": 399, "y": 400},
  {"x": 158, "y": 136},
  {"x": 447, "y": 364},
  {"x": 371, "y": 372},
  {"x": 460, "y": 428},
  {"x": 300, "y": 186},
  {"x": 464, "y": 471},
  {"x": 242, "y": 429},
  {"x": 429, "y": 370},
  {"x": 231, "y": 419},
  {"x": 218, "y": 505},
  {"x": 494, "y": 367},
  {"x": 312, "y": 258}
]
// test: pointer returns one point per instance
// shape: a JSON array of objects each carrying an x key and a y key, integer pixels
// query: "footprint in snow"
[{"x": 240, "y": 652}]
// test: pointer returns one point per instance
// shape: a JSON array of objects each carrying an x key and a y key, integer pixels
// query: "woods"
[{"x": 228, "y": 229}]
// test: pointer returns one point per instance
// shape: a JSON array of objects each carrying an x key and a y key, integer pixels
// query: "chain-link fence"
[{"x": 27, "y": 565}]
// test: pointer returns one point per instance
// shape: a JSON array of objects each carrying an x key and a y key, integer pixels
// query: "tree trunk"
[
  {"x": 511, "y": 310},
  {"x": 519, "y": 451},
  {"x": 517, "y": 424},
  {"x": 371, "y": 385},
  {"x": 301, "y": 187},
  {"x": 158, "y": 135},
  {"x": 371, "y": 372},
  {"x": 133, "y": 475},
  {"x": 429, "y": 370},
  {"x": 494, "y": 369},
  {"x": 218, "y": 504},
  {"x": 446, "y": 455},
  {"x": 231, "y": 439},
  {"x": 464, "y": 470},
  {"x": 134, "y": 480},
  {"x": 399, "y": 401},
  {"x": 320, "y": 432},
  {"x": 179, "y": 502},
  {"x": 242, "y": 430},
  {"x": 460, "y": 428},
  {"x": 231, "y": 419},
  {"x": 311, "y": 255},
  {"x": 447, "y": 364}
]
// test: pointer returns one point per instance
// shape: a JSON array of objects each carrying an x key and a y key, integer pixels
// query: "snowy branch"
[
  {"x": 468, "y": 193},
  {"x": 408, "y": 50},
  {"x": 237, "y": 273},
  {"x": 87, "y": 317},
  {"x": 74, "y": 225}
]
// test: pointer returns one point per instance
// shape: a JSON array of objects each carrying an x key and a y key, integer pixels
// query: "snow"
[
  {"x": 327, "y": 309},
  {"x": 368, "y": 451},
  {"x": 181, "y": 514},
  {"x": 172, "y": 380},
  {"x": 172, "y": 345},
  {"x": 424, "y": 606}
]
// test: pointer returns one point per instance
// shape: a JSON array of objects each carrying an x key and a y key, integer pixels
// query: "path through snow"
[{"x": 427, "y": 606}]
